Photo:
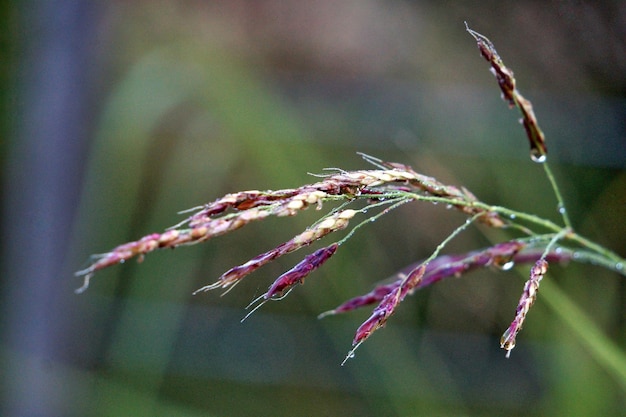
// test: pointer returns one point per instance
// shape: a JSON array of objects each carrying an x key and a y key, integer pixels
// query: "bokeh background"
[{"x": 116, "y": 115}]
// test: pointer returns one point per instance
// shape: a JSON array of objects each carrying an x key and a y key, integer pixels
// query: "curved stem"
[
  {"x": 553, "y": 241},
  {"x": 451, "y": 236},
  {"x": 601, "y": 250},
  {"x": 506, "y": 212},
  {"x": 595, "y": 253}
]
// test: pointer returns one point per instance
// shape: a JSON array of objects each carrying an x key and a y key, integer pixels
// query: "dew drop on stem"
[
  {"x": 507, "y": 266},
  {"x": 537, "y": 155},
  {"x": 504, "y": 263}
]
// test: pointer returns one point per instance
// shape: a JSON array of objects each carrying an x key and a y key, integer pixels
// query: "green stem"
[
  {"x": 561, "y": 203},
  {"x": 506, "y": 212},
  {"x": 601, "y": 250},
  {"x": 393, "y": 204},
  {"x": 594, "y": 258},
  {"x": 596, "y": 254},
  {"x": 451, "y": 236},
  {"x": 553, "y": 241}
]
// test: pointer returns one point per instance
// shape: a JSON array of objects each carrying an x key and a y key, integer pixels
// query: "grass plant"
[{"x": 349, "y": 200}]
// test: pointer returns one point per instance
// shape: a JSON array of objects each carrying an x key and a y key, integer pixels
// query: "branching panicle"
[{"x": 375, "y": 193}]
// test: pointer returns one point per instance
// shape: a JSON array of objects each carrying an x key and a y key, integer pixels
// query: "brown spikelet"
[
  {"x": 529, "y": 295},
  {"x": 386, "y": 308},
  {"x": 506, "y": 81},
  {"x": 332, "y": 223}
]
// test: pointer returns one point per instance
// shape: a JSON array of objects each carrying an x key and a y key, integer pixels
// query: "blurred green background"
[{"x": 117, "y": 115}]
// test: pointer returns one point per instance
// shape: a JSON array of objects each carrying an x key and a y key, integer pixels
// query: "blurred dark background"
[{"x": 116, "y": 115}]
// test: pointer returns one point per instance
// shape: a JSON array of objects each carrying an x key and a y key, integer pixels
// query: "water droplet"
[
  {"x": 537, "y": 156},
  {"x": 507, "y": 266},
  {"x": 505, "y": 263},
  {"x": 561, "y": 208},
  {"x": 512, "y": 216},
  {"x": 619, "y": 266}
]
